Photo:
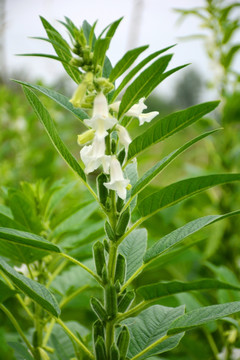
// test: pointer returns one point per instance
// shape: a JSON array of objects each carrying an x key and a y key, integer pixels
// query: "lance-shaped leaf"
[
  {"x": 202, "y": 316},
  {"x": 133, "y": 248},
  {"x": 136, "y": 69},
  {"x": 144, "y": 84},
  {"x": 125, "y": 62},
  {"x": 48, "y": 123},
  {"x": 182, "y": 190},
  {"x": 168, "y": 126},
  {"x": 27, "y": 239},
  {"x": 100, "y": 49},
  {"x": 149, "y": 327},
  {"x": 175, "y": 237},
  {"x": 153, "y": 292},
  {"x": 156, "y": 169},
  {"x": 31, "y": 288},
  {"x": 58, "y": 98},
  {"x": 54, "y": 35},
  {"x": 5, "y": 292}
]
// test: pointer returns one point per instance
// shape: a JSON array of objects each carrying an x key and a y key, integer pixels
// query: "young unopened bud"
[
  {"x": 123, "y": 342},
  {"x": 111, "y": 301},
  {"x": 98, "y": 330},
  {"x": 99, "y": 257},
  {"x": 126, "y": 301},
  {"x": 85, "y": 137},
  {"x": 79, "y": 94},
  {"x": 114, "y": 352},
  {"x": 102, "y": 190},
  {"x": 120, "y": 269},
  {"x": 98, "y": 309},
  {"x": 109, "y": 231},
  {"x": 76, "y": 62},
  {"x": 123, "y": 222},
  {"x": 100, "y": 349},
  {"x": 81, "y": 38}
]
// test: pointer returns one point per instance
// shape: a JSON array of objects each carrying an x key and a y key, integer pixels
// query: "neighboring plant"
[{"x": 128, "y": 321}]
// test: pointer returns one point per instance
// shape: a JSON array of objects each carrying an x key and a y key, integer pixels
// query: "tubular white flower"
[
  {"x": 94, "y": 156},
  {"x": 124, "y": 137},
  {"x": 101, "y": 120},
  {"x": 117, "y": 181},
  {"x": 136, "y": 111}
]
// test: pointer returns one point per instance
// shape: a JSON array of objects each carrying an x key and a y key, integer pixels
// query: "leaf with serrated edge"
[
  {"x": 181, "y": 190},
  {"x": 202, "y": 316},
  {"x": 168, "y": 126},
  {"x": 175, "y": 237},
  {"x": 31, "y": 288},
  {"x": 48, "y": 123},
  {"x": 149, "y": 326}
]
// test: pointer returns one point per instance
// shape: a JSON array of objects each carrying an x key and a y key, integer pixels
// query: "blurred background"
[{"x": 208, "y": 37}]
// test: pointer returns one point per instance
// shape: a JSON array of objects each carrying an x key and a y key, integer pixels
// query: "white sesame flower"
[
  {"x": 94, "y": 156},
  {"x": 101, "y": 120},
  {"x": 124, "y": 137},
  {"x": 136, "y": 111},
  {"x": 117, "y": 181}
]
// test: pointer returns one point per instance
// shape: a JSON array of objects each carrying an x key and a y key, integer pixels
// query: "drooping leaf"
[
  {"x": 156, "y": 291},
  {"x": 156, "y": 169},
  {"x": 181, "y": 190},
  {"x": 5, "y": 292},
  {"x": 36, "y": 291},
  {"x": 202, "y": 316},
  {"x": 144, "y": 84},
  {"x": 168, "y": 126},
  {"x": 136, "y": 69},
  {"x": 27, "y": 239},
  {"x": 178, "y": 235},
  {"x": 150, "y": 326},
  {"x": 58, "y": 98},
  {"x": 133, "y": 248},
  {"x": 125, "y": 62},
  {"x": 54, "y": 35},
  {"x": 48, "y": 123}
]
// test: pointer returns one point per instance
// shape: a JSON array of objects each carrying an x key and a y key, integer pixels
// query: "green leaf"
[
  {"x": 49, "y": 56},
  {"x": 144, "y": 84},
  {"x": 202, "y": 316},
  {"x": 156, "y": 169},
  {"x": 48, "y": 123},
  {"x": 37, "y": 292},
  {"x": 156, "y": 291},
  {"x": 54, "y": 35},
  {"x": 60, "y": 350},
  {"x": 168, "y": 126},
  {"x": 228, "y": 58},
  {"x": 133, "y": 248},
  {"x": 125, "y": 62},
  {"x": 113, "y": 27},
  {"x": 136, "y": 69},
  {"x": 50, "y": 41},
  {"x": 175, "y": 237},
  {"x": 150, "y": 326},
  {"x": 100, "y": 49},
  {"x": 20, "y": 351},
  {"x": 5, "y": 292},
  {"x": 58, "y": 98},
  {"x": 6, "y": 221},
  {"x": 27, "y": 239},
  {"x": 181, "y": 190}
]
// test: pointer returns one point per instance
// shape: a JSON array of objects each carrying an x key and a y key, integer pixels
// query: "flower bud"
[{"x": 85, "y": 137}]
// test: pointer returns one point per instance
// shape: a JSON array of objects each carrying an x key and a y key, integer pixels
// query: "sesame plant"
[{"x": 126, "y": 321}]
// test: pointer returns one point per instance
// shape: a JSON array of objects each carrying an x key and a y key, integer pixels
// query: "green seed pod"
[
  {"x": 98, "y": 309},
  {"x": 123, "y": 222},
  {"x": 104, "y": 275},
  {"x": 108, "y": 204},
  {"x": 120, "y": 204},
  {"x": 102, "y": 190},
  {"x": 113, "y": 146},
  {"x": 121, "y": 156},
  {"x": 126, "y": 301},
  {"x": 35, "y": 339},
  {"x": 106, "y": 245},
  {"x": 114, "y": 352},
  {"x": 123, "y": 342},
  {"x": 109, "y": 231},
  {"x": 117, "y": 286},
  {"x": 120, "y": 269},
  {"x": 98, "y": 330},
  {"x": 100, "y": 349},
  {"x": 111, "y": 301},
  {"x": 99, "y": 257}
]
